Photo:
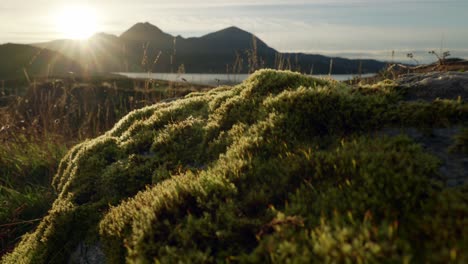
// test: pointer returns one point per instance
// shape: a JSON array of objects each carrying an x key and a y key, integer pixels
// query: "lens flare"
[{"x": 77, "y": 22}]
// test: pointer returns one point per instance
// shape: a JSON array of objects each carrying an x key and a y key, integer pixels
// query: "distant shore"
[{"x": 219, "y": 79}]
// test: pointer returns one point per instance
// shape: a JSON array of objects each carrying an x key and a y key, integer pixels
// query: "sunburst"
[{"x": 77, "y": 22}]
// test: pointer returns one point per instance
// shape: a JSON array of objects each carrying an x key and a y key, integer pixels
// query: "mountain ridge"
[
  {"x": 145, "y": 47},
  {"x": 19, "y": 60}
]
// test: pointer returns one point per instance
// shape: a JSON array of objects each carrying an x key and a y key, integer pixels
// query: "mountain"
[
  {"x": 18, "y": 59},
  {"x": 147, "y": 32},
  {"x": 100, "y": 53},
  {"x": 145, "y": 47}
]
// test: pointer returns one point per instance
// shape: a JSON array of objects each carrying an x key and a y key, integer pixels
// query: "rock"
[
  {"x": 87, "y": 254},
  {"x": 275, "y": 163},
  {"x": 433, "y": 85}
]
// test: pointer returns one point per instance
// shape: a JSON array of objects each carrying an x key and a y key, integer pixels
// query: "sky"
[{"x": 347, "y": 28}]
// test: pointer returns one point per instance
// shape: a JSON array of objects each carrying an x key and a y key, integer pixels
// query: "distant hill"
[
  {"x": 101, "y": 53},
  {"x": 229, "y": 50},
  {"x": 16, "y": 58}
]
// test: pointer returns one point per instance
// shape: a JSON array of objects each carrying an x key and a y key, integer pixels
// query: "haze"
[{"x": 353, "y": 29}]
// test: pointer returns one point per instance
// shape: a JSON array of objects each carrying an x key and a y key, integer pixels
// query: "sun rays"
[{"x": 76, "y": 22}]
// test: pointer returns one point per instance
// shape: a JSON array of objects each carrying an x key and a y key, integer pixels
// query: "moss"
[
  {"x": 341, "y": 239},
  {"x": 440, "y": 113},
  {"x": 461, "y": 143},
  {"x": 439, "y": 230},
  {"x": 277, "y": 165}
]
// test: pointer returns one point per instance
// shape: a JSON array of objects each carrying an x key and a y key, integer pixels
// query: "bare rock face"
[
  {"x": 429, "y": 87},
  {"x": 433, "y": 85},
  {"x": 85, "y": 253}
]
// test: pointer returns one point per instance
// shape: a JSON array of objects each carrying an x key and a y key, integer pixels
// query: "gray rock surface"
[
  {"x": 88, "y": 254},
  {"x": 429, "y": 87},
  {"x": 433, "y": 85}
]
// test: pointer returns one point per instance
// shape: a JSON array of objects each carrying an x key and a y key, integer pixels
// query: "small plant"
[
  {"x": 440, "y": 57},
  {"x": 461, "y": 143},
  {"x": 411, "y": 56},
  {"x": 252, "y": 55}
]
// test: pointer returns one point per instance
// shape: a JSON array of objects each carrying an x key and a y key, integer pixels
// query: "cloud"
[
  {"x": 317, "y": 26},
  {"x": 422, "y": 56}
]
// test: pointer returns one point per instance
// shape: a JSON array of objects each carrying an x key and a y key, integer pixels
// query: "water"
[{"x": 215, "y": 79}]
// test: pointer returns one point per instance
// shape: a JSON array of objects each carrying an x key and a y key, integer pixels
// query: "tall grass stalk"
[{"x": 26, "y": 75}]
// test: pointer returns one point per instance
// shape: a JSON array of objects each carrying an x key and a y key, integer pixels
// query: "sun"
[{"x": 76, "y": 22}]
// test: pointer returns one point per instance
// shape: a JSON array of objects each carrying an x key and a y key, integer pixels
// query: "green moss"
[
  {"x": 440, "y": 113},
  {"x": 259, "y": 172},
  {"x": 338, "y": 240},
  {"x": 439, "y": 230},
  {"x": 461, "y": 143}
]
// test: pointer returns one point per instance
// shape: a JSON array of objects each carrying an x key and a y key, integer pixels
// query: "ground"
[{"x": 259, "y": 172}]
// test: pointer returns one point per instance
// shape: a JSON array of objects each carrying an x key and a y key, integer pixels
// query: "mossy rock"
[{"x": 282, "y": 168}]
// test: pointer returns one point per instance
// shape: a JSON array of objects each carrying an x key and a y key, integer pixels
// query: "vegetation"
[
  {"x": 80, "y": 109},
  {"x": 27, "y": 166},
  {"x": 461, "y": 143},
  {"x": 279, "y": 169},
  {"x": 38, "y": 124}
]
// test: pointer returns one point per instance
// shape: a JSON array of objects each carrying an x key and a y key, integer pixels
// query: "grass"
[
  {"x": 279, "y": 169},
  {"x": 27, "y": 166},
  {"x": 84, "y": 109},
  {"x": 40, "y": 122}
]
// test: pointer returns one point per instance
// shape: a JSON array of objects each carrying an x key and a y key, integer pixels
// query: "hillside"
[
  {"x": 101, "y": 53},
  {"x": 146, "y": 47},
  {"x": 36, "y": 62},
  {"x": 257, "y": 173}
]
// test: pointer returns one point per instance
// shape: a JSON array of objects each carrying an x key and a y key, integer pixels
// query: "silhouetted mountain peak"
[
  {"x": 232, "y": 31},
  {"x": 142, "y": 31},
  {"x": 102, "y": 35},
  {"x": 145, "y": 27},
  {"x": 226, "y": 49}
]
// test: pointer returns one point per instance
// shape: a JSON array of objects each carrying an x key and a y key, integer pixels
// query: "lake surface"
[{"x": 215, "y": 79}]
